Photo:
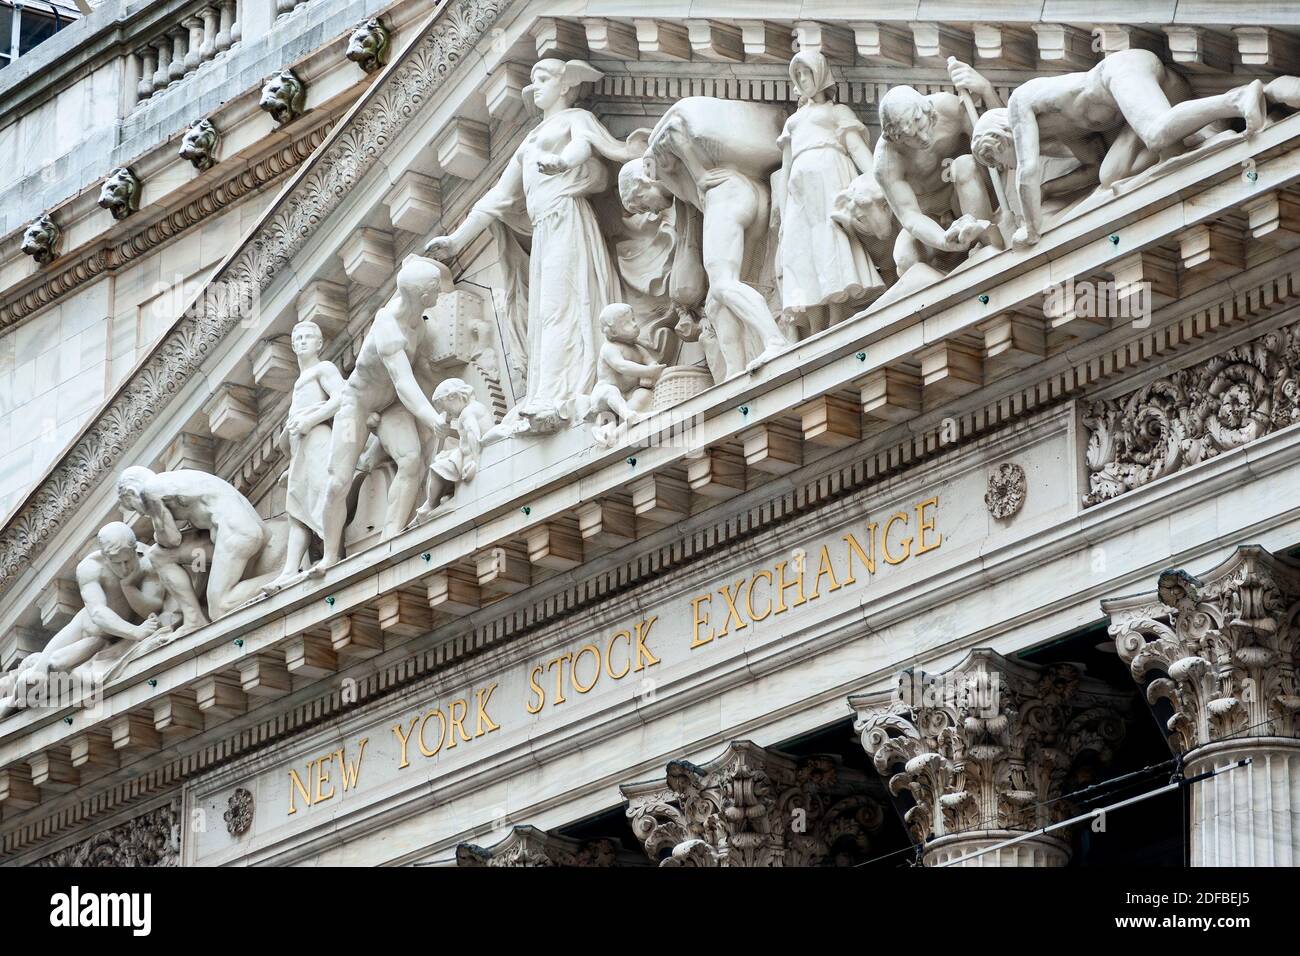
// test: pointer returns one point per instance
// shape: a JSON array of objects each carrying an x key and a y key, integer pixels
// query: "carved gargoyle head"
[
  {"x": 199, "y": 145},
  {"x": 41, "y": 240},
  {"x": 120, "y": 193},
  {"x": 368, "y": 45},
  {"x": 284, "y": 96}
]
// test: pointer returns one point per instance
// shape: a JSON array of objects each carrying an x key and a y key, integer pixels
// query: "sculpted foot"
[
  {"x": 772, "y": 351},
  {"x": 282, "y": 582},
  {"x": 318, "y": 569}
]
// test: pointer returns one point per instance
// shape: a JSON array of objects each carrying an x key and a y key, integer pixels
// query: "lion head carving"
[
  {"x": 41, "y": 240},
  {"x": 284, "y": 96},
  {"x": 120, "y": 193},
  {"x": 199, "y": 145}
]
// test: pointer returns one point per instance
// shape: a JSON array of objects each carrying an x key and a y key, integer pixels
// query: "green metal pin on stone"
[
  {"x": 1114, "y": 239},
  {"x": 984, "y": 300},
  {"x": 330, "y": 600},
  {"x": 526, "y": 510},
  {"x": 862, "y": 356},
  {"x": 427, "y": 556},
  {"x": 631, "y": 461},
  {"x": 239, "y": 642},
  {"x": 152, "y": 682},
  {"x": 744, "y": 409}
]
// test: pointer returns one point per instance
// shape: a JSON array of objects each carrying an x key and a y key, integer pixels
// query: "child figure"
[
  {"x": 465, "y": 419},
  {"x": 625, "y": 372}
]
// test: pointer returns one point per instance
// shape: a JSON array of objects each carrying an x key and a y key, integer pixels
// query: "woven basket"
[{"x": 680, "y": 383}]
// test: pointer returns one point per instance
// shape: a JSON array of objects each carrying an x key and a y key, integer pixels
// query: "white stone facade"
[{"x": 401, "y": 401}]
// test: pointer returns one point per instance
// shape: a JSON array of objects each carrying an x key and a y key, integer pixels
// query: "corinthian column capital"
[
  {"x": 754, "y": 807},
  {"x": 989, "y": 746},
  {"x": 1219, "y": 649}
]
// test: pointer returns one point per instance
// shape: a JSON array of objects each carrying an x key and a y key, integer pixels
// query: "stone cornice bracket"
[
  {"x": 1220, "y": 650},
  {"x": 284, "y": 96},
  {"x": 41, "y": 239},
  {"x": 368, "y": 45},
  {"x": 120, "y": 194},
  {"x": 988, "y": 745},
  {"x": 529, "y": 846},
  {"x": 754, "y": 807}
]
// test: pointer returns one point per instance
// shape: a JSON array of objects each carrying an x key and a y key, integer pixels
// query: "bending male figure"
[
  {"x": 227, "y": 533},
  {"x": 392, "y": 378},
  {"x": 116, "y": 584}
]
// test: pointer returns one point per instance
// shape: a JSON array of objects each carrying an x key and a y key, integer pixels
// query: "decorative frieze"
[
  {"x": 754, "y": 807},
  {"x": 1193, "y": 414},
  {"x": 989, "y": 746},
  {"x": 151, "y": 839},
  {"x": 529, "y": 846}
]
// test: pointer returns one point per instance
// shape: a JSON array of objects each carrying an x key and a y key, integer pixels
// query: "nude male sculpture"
[
  {"x": 227, "y": 535},
  {"x": 1130, "y": 93},
  {"x": 116, "y": 584},
  {"x": 393, "y": 379},
  {"x": 923, "y": 164},
  {"x": 717, "y": 156}
]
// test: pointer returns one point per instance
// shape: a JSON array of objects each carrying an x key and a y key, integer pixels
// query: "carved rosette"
[
  {"x": 989, "y": 745},
  {"x": 752, "y": 807},
  {"x": 1221, "y": 650},
  {"x": 529, "y": 846},
  {"x": 151, "y": 839},
  {"x": 239, "y": 812},
  {"x": 1193, "y": 415},
  {"x": 1006, "y": 493}
]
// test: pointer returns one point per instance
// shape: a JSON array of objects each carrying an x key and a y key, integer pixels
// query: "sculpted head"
[
  {"x": 120, "y": 193},
  {"x": 130, "y": 487},
  {"x": 306, "y": 339},
  {"x": 199, "y": 145},
  {"x": 618, "y": 322},
  {"x": 907, "y": 118},
  {"x": 284, "y": 96},
  {"x": 41, "y": 240},
  {"x": 420, "y": 280},
  {"x": 991, "y": 143},
  {"x": 556, "y": 82},
  {"x": 810, "y": 73},
  {"x": 368, "y": 45},
  {"x": 639, "y": 191},
  {"x": 118, "y": 546},
  {"x": 452, "y": 396}
]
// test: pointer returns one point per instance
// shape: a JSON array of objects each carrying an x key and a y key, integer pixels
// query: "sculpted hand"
[
  {"x": 551, "y": 163},
  {"x": 147, "y": 627},
  {"x": 441, "y": 248},
  {"x": 965, "y": 231},
  {"x": 966, "y": 78}
]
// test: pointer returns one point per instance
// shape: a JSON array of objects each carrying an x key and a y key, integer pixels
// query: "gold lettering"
[
  {"x": 749, "y": 595},
  {"x": 906, "y": 542},
  {"x": 922, "y": 526},
  {"x": 732, "y": 613},
  {"x": 402, "y": 739},
  {"x": 442, "y": 732},
  {"x": 295, "y": 783},
  {"x": 868, "y": 559},
  {"x": 323, "y": 776},
  {"x": 642, "y": 632},
  {"x": 695, "y": 616},
  {"x": 537, "y": 690},
  {"x": 559, "y": 676},
  {"x": 352, "y": 770},
  {"x": 573, "y": 671},
  {"x": 782, "y": 586},
  {"x": 481, "y": 698},
  {"x": 824, "y": 569},
  {"x": 609, "y": 654},
  {"x": 455, "y": 723}
]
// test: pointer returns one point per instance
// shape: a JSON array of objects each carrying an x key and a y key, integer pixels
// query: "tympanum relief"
[{"x": 639, "y": 271}]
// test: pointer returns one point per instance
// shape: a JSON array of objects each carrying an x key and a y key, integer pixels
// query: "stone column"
[
  {"x": 753, "y": 807},
  {"x": 986, "y": 750},
  {"x": 1217, "y": 655}
]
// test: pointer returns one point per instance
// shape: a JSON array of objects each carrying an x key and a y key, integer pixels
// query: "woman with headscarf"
[
  {"x": 824, "y": 147},
  {"x": 545, "y": 194}
]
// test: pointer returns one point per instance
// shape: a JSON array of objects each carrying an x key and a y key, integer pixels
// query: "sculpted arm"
[
  {"x": 1029, "y": 165},
  {"x": 331, "y": 380},
  {"x": 408, "y": 389},
  {"x": 902, "y": 200},
  {"x": 620, "y": 363},
  {"x": 508, "y": 191},
  {"x": 101, "y": 615},
  {"x": 165, "y": 531}
]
